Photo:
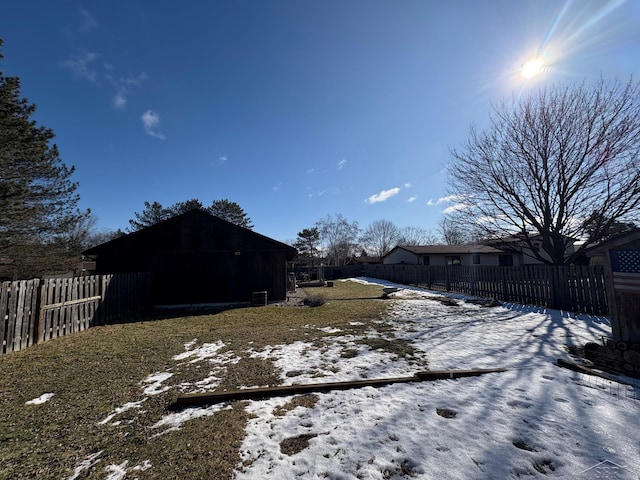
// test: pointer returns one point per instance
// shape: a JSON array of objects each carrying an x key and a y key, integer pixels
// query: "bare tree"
[
  {"x": 338, "y": 237},
  {"x": 416, "y": 236},
  {"x": 453, "y": 232},
  {"x": 550, "y": 161},
  {"x": 380, "y": 237}
]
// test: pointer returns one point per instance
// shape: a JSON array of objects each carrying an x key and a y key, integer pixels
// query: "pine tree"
[
  {"x": 152, "y": 214},
  {"x": 155, "y": 212},
  {"x": 231, "y": 212},
  {"x": 38, "y": 199}
]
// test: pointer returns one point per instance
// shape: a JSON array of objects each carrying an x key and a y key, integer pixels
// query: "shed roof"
[{"x": 174, "y": 222}]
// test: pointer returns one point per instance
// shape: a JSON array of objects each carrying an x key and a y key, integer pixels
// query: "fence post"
[
  {"x": 39, "y": 319},
  {"x": 446, "y": 278}
]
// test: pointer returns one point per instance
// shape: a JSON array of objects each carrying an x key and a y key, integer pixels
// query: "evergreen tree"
[
  {"x": 308, "y": 243},
  {"x": 152, "y": 214},
  {"x": 184, "y": 207},
  {"x": 231, "y": 212},
  {"x": 155, "y": 212},
  {"x": 38, "y": 199}
]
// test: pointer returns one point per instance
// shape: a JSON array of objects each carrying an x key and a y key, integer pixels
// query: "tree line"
[{"x": 555, "y": 166}]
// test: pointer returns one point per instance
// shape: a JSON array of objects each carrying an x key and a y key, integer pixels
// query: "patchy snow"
[
  {"x": 86, "y": 464},
  {"x": 154, "y": 383},
  {"x": 536, "y": 419},
  {"x": 118, "y": 410},
  {"x": 45, "y": 397},
  {"x": 174, "y": 421},
  {"x": 207, "y": 350},
  {"x": 117, "y": 472}
]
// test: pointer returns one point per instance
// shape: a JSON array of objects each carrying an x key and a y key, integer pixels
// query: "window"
[
  {"x": 453, "y": 260},
  {"x": 425, "y": 260},
  {"x": 475, "y": 258},
  {"x": 505, "y": 260}
]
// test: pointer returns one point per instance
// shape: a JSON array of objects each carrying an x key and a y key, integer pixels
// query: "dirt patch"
[
  {"x": 293, "y": 445},
  {"x": 446, "y": 413},
  {"x": 307, "y": 401}
]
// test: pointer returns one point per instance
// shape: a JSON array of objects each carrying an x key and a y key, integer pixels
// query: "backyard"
[{"x": 101, "y": 404}]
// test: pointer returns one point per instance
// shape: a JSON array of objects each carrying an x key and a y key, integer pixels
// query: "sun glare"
[{"x": 532, "y": 68}]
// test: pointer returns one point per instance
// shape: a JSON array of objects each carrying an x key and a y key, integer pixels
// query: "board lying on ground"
[{"x": 188, "y": 399}]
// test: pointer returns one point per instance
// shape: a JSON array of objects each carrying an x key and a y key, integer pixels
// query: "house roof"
[
  {"x": 175, "y": 221},
  {"x": 447, "y": 249},
  {"x": 613, "y": 243}
]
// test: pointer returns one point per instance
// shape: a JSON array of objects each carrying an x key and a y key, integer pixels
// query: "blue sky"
[{"x": 295, "y": 110}]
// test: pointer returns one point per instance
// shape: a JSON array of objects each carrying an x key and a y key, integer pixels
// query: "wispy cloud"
[
  {"x": 311, "y": 171},
  {"x": 124, "y": 85},
  {"x": 341, "y": 164},
  {"x": 455, "y": 203},
  {"x": 88, "y": 21},
  {"x": 81, "y": 66},
  {"x": 407, "y": 185},
  {"x": 277, "y": 187},
  {"x": 120, "y": 100},
  {"x": 222, "y": 159},
  {"x": 447, "y": 199},
  {"x": 151, "y": 123},
  {"x": 86, "y": 66},
  {"x": 456, "y": 207},
  {"x": 412, "y": 199},
  {"x": 383, "y": 195}
]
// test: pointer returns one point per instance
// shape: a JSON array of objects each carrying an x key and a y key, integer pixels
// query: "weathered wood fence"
[
  {"x": 34, "y": 311},
  {"x": 573, "y": 288}
]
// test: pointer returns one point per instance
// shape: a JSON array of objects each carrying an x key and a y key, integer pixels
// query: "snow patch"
[{"x": 45, "y": 397}]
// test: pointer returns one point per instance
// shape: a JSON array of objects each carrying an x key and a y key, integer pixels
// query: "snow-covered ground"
[{"x": 534, "y": 420}]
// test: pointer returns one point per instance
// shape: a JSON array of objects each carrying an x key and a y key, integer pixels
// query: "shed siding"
[{"x": 197, "y": 258}]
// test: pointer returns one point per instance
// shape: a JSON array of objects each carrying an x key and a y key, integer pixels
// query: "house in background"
[
  {"x": 199, "y": 258},
  {"x": 484, "y": 255}
]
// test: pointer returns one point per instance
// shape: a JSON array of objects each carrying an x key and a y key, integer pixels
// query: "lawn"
[
  {"x": 112, "y": 415},
  {"x": 109, "y": 371}
]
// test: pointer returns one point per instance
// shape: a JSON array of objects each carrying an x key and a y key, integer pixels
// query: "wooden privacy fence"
[
  {"x": 34, "y": 311},
  {"x": 574, "y": 288}
]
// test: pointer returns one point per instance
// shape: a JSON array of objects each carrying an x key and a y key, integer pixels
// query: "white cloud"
[
  {"x": 407, "y": 185},
  {"x": 447, "y": 199},
  {"x": 277, "y": 187},
  {"x": 124, "y": 85},
  {"x": 151, "y": 123},
  {"x": 120, "y": 100},
  {"x": 88, "y": 21},
  {"x": 341, "y": 164},
  {"x": 412, "y": 199},
  {"x": 383, "y": 195},
  {"x": 80, "y": 65},
  {"x": 455, "y": 207},
  {"x": 133, "y": 80},
  {"x": 311, "y": 171},
  {"x": 222, "y": 159}
]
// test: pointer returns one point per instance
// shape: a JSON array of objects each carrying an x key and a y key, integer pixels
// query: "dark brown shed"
[{"x": 199, "y": 258}]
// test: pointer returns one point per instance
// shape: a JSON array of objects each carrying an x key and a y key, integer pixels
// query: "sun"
[{"x": 532, "y": 68}]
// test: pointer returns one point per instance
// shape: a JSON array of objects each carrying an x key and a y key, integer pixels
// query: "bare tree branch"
[{"x": 550, "y": 161}]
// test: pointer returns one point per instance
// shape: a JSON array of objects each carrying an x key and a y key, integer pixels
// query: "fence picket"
[
  {"x": 34, "y": 311},
  {"x": 574, "y": 288}
]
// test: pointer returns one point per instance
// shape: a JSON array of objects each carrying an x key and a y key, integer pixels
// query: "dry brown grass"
[{"x": 96, "y": 371}]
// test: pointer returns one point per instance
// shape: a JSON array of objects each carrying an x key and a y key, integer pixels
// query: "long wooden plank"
[
  {"x": 188, "y": 399},
  {"x": 71, "y": 302}
]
